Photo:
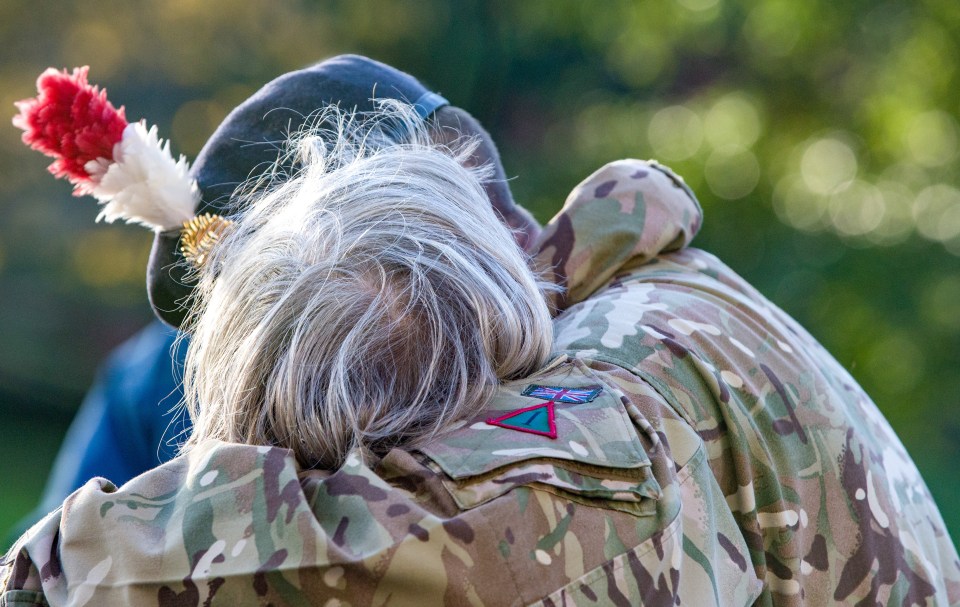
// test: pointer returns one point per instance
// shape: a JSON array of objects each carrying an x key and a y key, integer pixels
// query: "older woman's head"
[{"x": 373, "y": 298}]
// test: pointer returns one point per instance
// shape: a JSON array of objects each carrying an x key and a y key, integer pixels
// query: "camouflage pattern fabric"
[
  {"x": 831, "y": 507},
  {"x": 726, "y": 460}
]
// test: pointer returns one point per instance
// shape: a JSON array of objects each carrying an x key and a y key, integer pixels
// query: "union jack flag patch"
[{"x": 563, "y": 395}]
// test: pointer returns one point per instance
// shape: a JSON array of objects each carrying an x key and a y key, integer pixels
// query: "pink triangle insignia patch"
[{"x": 537, "y": 419}]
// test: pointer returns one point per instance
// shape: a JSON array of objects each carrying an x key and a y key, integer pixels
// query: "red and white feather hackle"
[{"x": 125, "y": 166}]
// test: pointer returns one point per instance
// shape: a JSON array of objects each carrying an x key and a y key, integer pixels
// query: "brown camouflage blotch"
[
  {"x": 259, "y": 584},
  {"x": 732, "y": 552},
  {"x": 817, "y": 557},
  {"x": 190, "y": 597},
  {"x": 588, "y": 592},
  {"x": 459, "y": 529},
  {"x": 212, "y": 587},
  {"x": 340, "y": 535},
  {"x": 52, "y": 569},
  {"x": 675, "y": 348},
  {"x": 419, "y": 532},
  {"x": 349, "y": 484},
  {"x": 21, "y": 570},
  {"x": 273, "y": 463},
  {"x": 660, "y": 592},
  {"x": 775, "y": 566},
  {"x": 796, "y": 426},
  {"x": 616, "y": 596},
  {"x": 603, "y": 190}
]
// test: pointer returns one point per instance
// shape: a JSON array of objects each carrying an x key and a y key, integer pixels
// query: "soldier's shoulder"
[{"x": 564, "y": 427}]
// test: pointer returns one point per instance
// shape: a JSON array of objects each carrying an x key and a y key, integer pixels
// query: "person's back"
[{"x": 831, "y": 506}]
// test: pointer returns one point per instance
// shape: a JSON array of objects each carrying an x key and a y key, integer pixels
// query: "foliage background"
[{"x": 821, "y": 137}]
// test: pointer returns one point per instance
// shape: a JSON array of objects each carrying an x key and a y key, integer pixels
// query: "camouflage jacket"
[{"x": 689, "y": 445}]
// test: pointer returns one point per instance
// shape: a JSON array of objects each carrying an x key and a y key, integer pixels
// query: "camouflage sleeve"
[
  {"x": 623, "y": 215},
  {"x": 830, "y": 505},
  {"x": 20, "y": 576}
]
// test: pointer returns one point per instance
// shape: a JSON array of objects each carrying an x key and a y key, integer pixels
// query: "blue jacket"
[{"x": 129, "y": 421}]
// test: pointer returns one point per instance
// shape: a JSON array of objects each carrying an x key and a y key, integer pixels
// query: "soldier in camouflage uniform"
[{"x": 688, "y": 444}]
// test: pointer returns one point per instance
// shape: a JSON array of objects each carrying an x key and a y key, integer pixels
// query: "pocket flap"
[{"x": 596, "y": 457}]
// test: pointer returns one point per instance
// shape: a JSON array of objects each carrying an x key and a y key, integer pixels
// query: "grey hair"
[{"x": 370, "y": 299}]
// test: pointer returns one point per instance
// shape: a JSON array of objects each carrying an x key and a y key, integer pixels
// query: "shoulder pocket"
[{"x": 596, "y": 458}]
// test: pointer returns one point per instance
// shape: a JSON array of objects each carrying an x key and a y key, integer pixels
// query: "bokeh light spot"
[
  {"x": 931, "y": 138},
  {"x": 797, "y": 206},
  {"x": 732, "y": 120},
  {"x": 732, "y": 172},
  {"x": 828, "y": 165},
  {"x": 897, "y": 222},
  {"x": 638, "y": 60},
  {"x": 772, "y": 28},
  {"x": 675, "y": 133},
  {"x": 858, "y": 209},
  {"x": 936, "y": 211}
]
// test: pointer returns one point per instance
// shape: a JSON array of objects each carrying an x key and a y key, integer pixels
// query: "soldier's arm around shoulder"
[{"x": 622, "y": 215}]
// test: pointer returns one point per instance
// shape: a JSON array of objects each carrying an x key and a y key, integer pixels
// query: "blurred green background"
[{"x": 821, "y": 137}]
